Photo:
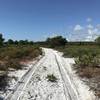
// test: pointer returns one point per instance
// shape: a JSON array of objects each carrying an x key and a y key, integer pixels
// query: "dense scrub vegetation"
[
  {"x": 87, "y": 58},
  {"x": 12, "y": 53},
  {"x": 11, "y": 56},
  {"x": 4, "y": 81},
  {"x": 87, "y": 55}
]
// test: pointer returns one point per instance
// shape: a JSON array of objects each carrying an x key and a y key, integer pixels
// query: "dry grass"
[
  {"x": 93, "y": 75},
  {"x": 88, "y": 72},
  {"x": 87, "y": 63},
  {"x": 11, "y": 56}
]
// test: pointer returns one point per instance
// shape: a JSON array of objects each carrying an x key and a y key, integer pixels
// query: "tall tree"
[
  {"x": 56, "y": 41},
  {"x": 16, "y": 42},
  {"x": 1, "y": 39},
  {"x": 10, "y": 41}
]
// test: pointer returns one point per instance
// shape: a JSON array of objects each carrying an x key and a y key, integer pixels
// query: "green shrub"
[
  {"x": 4, "y": 81},
  {"x": 51, "y": 78},
  {"x": 12, "y": 55},
  {"x": 56, "y": 41},
  {"x": 84, "y": 60},
  {"x": 88, "y": 60},
  {"x": 76, "y": 51},
  {"x": 86, "y": 55}
]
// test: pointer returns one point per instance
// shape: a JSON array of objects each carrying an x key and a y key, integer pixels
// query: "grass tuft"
[{"x": 51, "y": 78}]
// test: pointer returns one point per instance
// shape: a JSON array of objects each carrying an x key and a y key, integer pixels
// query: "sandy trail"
[{"x": 35, "y": 85}]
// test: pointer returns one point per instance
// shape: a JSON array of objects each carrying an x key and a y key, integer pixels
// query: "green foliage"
[
  {"x": 31, "y": 42},
  {"x": 1, "y": 40},
  {"x": 88, "y": 61},
  {"x": 10, "y": 41},
  {"x": 51, "y": 78},
  {"x": 23, "y": 42},
  {"x": 86, "y": 55},
  {"x": 79, "y": 50},
  {"x": 3, "y": 81},
  {"x": 11, "y": 56},
  {"x": 87, "y": 58},
  {"x": 16, "y": 42},
  {"x": 97, "y": 39},
  {"x": 13, "y": 52},
  {"x": 20, "y": 42},
  {"x": 56, "y": 41}
]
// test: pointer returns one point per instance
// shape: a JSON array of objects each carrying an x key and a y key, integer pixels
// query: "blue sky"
[{"x": 38, "y": 19}]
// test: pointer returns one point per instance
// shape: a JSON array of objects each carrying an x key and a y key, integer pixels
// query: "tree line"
[
  {"x": 12, "y": 42},
  {"x": 49, "y": 42}
]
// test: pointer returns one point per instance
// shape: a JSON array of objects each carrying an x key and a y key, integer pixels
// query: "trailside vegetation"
[
  {"x": 87, "y": 58},
  {"x": 12, "y": 54}
]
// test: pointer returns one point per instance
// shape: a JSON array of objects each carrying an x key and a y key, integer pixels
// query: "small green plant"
[
  {"x": 51, "y": 78},
  {"x": 4, "y": 81},
  {"x": 44, "y": 68}
]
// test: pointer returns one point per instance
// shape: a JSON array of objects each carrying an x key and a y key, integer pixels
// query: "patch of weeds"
[
  {"x": 51, "y": 78},
  {"x": 4, "y": 82},
  {"x": 38, "y": 78},
  {"x": 30, "y": 95},
  {"x": 44, "y": 68}
]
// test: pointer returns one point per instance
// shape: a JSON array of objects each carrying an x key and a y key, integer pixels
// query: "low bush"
[
  {"x": 88, "y": 60},
  {"x": 11, "y": 56},
  {"x": 3, "y": 81},
  {"x": 51, "y": 78},
  {"x": 86, "y": 55},
  {"x": 76, "y": 51},
  {"x": 3, "y": 68},
  {"x": 56, "y": 41}
]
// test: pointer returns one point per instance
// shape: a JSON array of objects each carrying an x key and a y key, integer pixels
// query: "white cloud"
[
  {"x": 86, "y": 33},
  {"x": 98, "y": 26},
  {"x": 89, "y": 38},
  {"x": 90, "y": 26},
  {"x": 78, "y": 28},
  {"x": 95, "y": 30},
  {"x": 92, "y": 34},
  {"x": 89, "y": 19},
  {"x": 90, "y": 31},
  {"x": 54, "y": 35}
]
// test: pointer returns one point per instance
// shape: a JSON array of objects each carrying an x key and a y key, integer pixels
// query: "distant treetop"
[
  {"x": 56, "y": 41},
  {"x": 97, "y": 39}
]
